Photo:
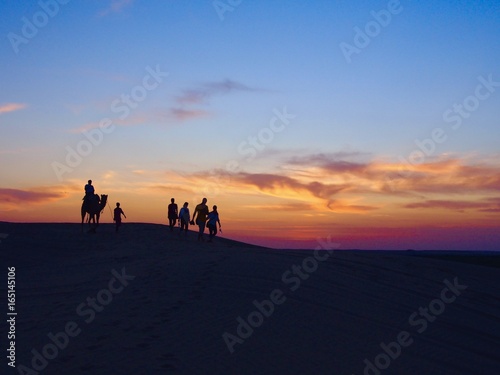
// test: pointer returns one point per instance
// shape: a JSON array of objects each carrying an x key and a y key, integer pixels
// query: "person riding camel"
[
  {"x": 89, "y": 192},
  {"x": 89, "y": 189}
]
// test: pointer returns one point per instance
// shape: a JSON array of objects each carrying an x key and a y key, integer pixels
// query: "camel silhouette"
[{"x": 93, "y": 206}]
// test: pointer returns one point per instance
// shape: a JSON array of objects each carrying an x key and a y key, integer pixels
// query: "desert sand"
[{"x": 146, "y": 301}]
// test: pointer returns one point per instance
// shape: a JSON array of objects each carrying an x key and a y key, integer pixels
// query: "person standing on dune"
[
  {"x": 117, "y": 217},
  {"x": 184, "y": 217},
  {"x": 172, "y": 214},
  {"x": 202, "y": 211},
  {"x": 213, "y": 219}
]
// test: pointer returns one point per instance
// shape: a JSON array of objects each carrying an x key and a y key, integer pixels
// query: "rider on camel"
[{"x": 89, "y": 192}]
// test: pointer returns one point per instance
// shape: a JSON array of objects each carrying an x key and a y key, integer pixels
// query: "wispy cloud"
[
  {"x": 18, "y": 196},
  {"x": 159, "y": 116},
  {"x": 135, "y": 120},
  {"x": 347, "y": 185},
  {"x": 449, "y": 177},
  {"x": 275, "y": 182},
  {"x": 116, "y": 6},
  {"x": 184, "y": 110},
  {"x": 203, "y": 93},
  {"x": 484, "y": 205},
  {"x": 11, "y": 107},
  {"x": 180, "y": 114},
  {"x": 342, "y": 206},
  {"x": 280, "y": 186},
  {"x": 445, "y": 175},
  {"x": 189, "y": 100},
  {"x": 292, "y": 207}
]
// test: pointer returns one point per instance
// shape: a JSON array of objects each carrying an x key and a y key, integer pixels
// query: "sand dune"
[{"x": 146, "y": 301}]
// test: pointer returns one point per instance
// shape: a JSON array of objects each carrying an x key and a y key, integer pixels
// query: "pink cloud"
[
  {"x": 484, "y": 205},
  {"x": 11, "y": 107},
  {"x": 18, "y": 196}
]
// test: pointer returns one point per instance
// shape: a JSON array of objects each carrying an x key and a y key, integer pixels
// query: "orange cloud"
[
  {"x": 446, "y": 175},
  {"x": 282, "y": 207},
  {"x": 452, "y": 177},
  {"x": 364, "y": 186},
  {"x": 338, "y": 206},
  {"x": 274, "y": 182}
]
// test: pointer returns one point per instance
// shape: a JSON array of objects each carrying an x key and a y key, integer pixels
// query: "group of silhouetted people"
[{"x": 201, "y": 216}]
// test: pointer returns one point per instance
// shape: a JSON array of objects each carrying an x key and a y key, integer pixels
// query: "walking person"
[
  {"x": 202, "y": 211},
  {"x": 172, "y": 214},
  {"x": 184, "y": 218},
  {"x": 213, "y": 219},
  {"x": 117, "y": 217}
]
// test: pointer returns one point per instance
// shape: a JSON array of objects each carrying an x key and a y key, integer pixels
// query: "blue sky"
[{"x": 226, "y": 77}]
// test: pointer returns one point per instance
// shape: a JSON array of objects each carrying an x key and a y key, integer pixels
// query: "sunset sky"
[{"x": 372, "y": 123}]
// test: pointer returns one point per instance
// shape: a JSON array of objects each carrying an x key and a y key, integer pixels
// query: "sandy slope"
[{"x": 176, "y": 299}]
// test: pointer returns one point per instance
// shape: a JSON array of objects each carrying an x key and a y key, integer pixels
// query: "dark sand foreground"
[{"x": 148, "y": 302}]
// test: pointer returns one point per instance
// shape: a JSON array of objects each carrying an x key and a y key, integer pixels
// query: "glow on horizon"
[{"x": 361, "y": 205}]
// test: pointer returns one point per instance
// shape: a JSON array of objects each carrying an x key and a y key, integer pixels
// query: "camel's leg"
[
  {"x": 83, "y": 213},
  {"x": 91, "y": 221}
]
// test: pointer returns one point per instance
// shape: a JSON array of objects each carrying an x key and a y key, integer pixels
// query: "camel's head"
[{"x": 104, "y": 199}]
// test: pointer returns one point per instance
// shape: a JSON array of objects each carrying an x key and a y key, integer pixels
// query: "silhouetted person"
[
  {"x": 184, "y": 217},
  {"x": 213, "y": 219},
  {"x": 172, "y": 214},
  {"x": 89, "y": 191},
  {"x": 117, "y": 217},
  {"x": 202, "y": 211}
]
